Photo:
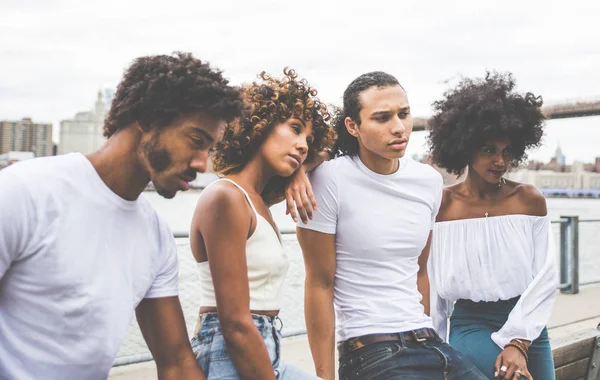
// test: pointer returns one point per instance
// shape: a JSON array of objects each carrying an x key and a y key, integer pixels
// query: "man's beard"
[{"x": 160, "y": 160}]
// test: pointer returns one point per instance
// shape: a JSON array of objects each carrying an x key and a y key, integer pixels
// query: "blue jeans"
[
  {"x": 471, "y": 328},
  {"x": 212, "y": 355},
  {"x": 430, "y": 360}
]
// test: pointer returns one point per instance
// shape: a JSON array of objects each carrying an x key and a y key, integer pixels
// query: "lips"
[
  {"x": 297, "y": 158},
  {"x": 398, "y": 144},
  {"x": 498, "y": 173}
]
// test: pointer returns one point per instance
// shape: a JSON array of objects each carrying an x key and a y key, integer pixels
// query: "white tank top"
[{"x": 267, "y": 265}]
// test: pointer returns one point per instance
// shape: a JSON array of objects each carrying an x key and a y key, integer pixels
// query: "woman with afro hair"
[
  {"x": 492, "y": 249},
  {"x": 241, "y": 259}
]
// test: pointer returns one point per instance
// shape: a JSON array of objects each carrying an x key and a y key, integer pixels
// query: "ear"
[{"x": 351, "y": 126}]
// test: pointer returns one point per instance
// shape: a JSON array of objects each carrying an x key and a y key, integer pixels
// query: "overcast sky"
[{"x": 55, "y": 55}]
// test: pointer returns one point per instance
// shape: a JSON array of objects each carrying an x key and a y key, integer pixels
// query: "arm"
[
  {"x": 423, "y": 277},
  {"x": 163, "y": 327},
  {"x": 223, "y": 219},
  {"x": 532, "y": 312},
  {"x": 438, "y": 306},
  {"x": 319, "y": 258},
  {"x": 317, "y": 240}
]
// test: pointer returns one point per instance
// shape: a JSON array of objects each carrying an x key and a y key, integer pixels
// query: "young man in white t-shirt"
[
  {"x": 366, "y": 247},
  {"x": 81, "y": 248}
]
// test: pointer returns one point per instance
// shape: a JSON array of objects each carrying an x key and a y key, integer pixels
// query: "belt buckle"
[{"x": 417, "y": 338}]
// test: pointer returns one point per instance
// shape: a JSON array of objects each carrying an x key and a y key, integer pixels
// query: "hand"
[
  {"x": 299, "y": 191},
  {"x": 512, "y": 360}
]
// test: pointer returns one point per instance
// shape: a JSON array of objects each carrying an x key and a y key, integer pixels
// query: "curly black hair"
[
  {"x": 346, "y": 144},
  {"x": 269, "y": 102},
  {"x": 156, "y": 90},
  {"x": 478, "y": 110}
]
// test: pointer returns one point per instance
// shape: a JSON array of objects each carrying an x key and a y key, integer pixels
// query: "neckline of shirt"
[
  {"x": 497, "y": 217},
  {"x": 101, "y": 186},
  {"x": 401, "y": 167}
]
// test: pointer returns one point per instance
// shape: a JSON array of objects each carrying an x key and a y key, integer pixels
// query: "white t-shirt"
[
  {"x": 75, "y": 261},
  {"x": 381, "y": 223}
]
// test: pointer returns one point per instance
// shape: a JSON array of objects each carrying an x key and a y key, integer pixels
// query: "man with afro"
[{"x": 80, "y": 246}]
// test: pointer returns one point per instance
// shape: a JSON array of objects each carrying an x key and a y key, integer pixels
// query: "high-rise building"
[
  {"x": 560, "y": 157},
  {"x": 84, "y": 132},
  {"x": 26, "y": 136}
]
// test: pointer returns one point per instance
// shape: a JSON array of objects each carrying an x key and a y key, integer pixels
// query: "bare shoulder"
[
  {"x": 450, "y": 196},
  {"x": 221, "y": 199},
  {"x": 532, "y": 199},
  {"x": 452, "y": 193}
]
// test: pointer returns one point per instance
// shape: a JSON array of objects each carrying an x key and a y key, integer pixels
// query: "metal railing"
[
  {"x": 569, "y": 253},
  {"x": 569, "y": 260}
]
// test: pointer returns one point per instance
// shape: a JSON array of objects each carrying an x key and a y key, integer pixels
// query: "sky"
[{"x": 55, "y": 55}]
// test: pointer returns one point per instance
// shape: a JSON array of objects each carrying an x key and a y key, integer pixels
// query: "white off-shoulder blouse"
[{"x": 492, "y": 259}]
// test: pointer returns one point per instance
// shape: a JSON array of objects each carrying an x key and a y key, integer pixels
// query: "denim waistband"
[{"x": 261, "y": 321}]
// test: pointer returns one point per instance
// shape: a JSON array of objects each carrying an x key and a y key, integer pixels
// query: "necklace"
[{"x": 502, "y": 181}]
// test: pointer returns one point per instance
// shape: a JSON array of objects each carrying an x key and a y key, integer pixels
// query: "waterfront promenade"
[{"x": 571, "y": 313}]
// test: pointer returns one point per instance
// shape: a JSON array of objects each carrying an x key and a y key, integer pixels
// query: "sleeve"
[
  {"x": 532, "y": 312},
  {"x": 438, "y": 199},
  {"x": 18, "y": 219},
  {"x": 437, "y": 305},
  {"x": 324, "y": 188},
  {"x": 166, "y": 283}
]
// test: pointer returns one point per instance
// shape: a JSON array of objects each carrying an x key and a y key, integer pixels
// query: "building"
[
  {"x": 84, "y": 132},
  {"x": 26, "y": 136},
  {"x": 576, "y": 178},
  {"x": 560, "y": 157}
]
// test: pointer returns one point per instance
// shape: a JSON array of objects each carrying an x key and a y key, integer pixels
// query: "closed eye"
[{"x": 198, "y": 142}]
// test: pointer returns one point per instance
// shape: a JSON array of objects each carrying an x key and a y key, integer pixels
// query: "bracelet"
[
  {"x": 523, "y": 344},
  {"x": 519, "y": 343},
  {"x": 521, "y": 350}
]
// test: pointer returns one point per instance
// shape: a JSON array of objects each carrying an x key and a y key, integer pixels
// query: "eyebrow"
[
  {"x": 382, "y": 112},
  {"x": 205, "y": 134},
  {"x": 295, "y": 119}
]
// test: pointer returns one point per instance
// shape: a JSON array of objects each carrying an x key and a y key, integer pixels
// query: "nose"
[
  {"x": 200, "y": 161},
  {"x": 499, "y": 159},
  {"x": 398, "y": 128},
  {"x": 302, "y": 145}
]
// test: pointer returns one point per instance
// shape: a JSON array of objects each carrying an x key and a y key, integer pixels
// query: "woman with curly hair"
[
  {"x": 234, "y": 239},
  {"x": 492, "y": 250}
]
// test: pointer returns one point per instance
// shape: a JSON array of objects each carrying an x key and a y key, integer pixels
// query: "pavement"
[{"x": 571, "y": 313}]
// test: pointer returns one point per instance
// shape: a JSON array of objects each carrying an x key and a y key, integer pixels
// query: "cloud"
[{"x": 56, "y": 54}]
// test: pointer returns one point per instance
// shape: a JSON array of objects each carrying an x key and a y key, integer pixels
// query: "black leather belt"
[{"x": 414, "y": 336}]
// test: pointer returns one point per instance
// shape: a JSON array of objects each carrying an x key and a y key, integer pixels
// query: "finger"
[
  {"x": 516, "y": 375},
  {"x": 510, "y": 372},
  {"x": 497, "y": 366},
  {"x": 291, "y": 208},
  {"x": 300, "y": 207},
  {"x": 307, "y": 204},
  {"x": 525, "y": 372},
  {"x": 311, "y": 195}
]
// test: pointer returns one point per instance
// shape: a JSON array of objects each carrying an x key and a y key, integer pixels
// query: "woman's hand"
[
  {"x": 511, "y": 365},
  {"x": 299, "y": 191}
]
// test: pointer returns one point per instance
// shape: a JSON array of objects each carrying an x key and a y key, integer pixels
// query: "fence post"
[
  {"x": 565, "y": 281},
  {"x": 569, "y": 254},
  {"x": 575, "y": 253}
]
